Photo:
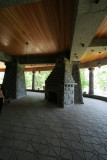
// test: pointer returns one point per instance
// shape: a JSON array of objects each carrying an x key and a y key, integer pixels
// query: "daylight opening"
[{"x": 38, "y": 81}]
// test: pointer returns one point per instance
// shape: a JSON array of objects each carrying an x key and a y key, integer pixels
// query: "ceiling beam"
[
  {"x": 48, "y": 68},
  {"x": 43, "y": 59},
  {"x": 37, "y": 60},
  {"x": 93, "y": 63},
  {"x": 97, "y": 49},
  {"x": 34, "y": 69},
  {"x": 9, "y": 3},
  {"x": 98, "y": 43},
  {"x": 89, "y": 17}
]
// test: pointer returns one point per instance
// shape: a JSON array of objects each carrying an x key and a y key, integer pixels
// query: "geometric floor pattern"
[{"x": 34, "y": 129}]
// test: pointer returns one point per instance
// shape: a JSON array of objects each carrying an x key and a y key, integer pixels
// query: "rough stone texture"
[
  {"x": 9, "y": 82},
  {"x": 55, "y": 82},
  {"x": 78, "y": 98},
  {"x": 33, "y": 129},
  {"x": 91, "y": 81},
  {"x": 20, "y": 81},
  {"x": 69, "y": 85},
  {"x": 61, "y": 82},
  {"x": 14, "y": 80}
]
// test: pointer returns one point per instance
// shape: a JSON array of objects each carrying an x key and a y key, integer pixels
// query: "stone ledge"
[{"x": 96, "y": 97}]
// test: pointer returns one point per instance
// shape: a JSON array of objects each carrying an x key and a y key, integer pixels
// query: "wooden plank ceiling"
[
  {"x": 46, "y": 25},
  {"x": 100, "y": 34},
  {"x": 92, "y": 56},
  {"x": 102, "y": 31}
]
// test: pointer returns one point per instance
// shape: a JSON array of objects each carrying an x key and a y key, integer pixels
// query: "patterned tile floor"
[{"x": 33, "y": 129}]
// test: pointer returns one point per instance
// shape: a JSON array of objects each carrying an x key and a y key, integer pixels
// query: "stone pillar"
[
  {"x": 33, "y": 80},
  {"x": 14, "y": 80},
  {"x": 60, "y": 84},
  {"x": 39, "y": 81},
  {"x": 91, "y": 81},
  {"x": 78, "y": 98}
]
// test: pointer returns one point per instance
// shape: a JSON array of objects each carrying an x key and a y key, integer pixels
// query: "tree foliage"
[
  {"x": 40, "y": 78},
  {"x": 84, "y": 79},
  {"x": 100, "y": 79},
  {"x": 1, "y": 77}
]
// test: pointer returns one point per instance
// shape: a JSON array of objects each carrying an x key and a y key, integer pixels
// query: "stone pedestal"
[
  {"x": 78, "y": 98},
  {"x": 91, "y": 81}
]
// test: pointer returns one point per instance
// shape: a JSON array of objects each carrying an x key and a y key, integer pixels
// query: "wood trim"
[
  {"x": 39, "y": 69},
  {"x": 50, "y": 68}
]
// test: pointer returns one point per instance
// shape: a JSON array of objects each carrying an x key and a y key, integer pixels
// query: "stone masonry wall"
[
  {"x": 9, "y": 82},
  {"x": 78, "y": 98},
  {"x": 69, "y": 85},
  {"x": 59, "y": 82},
  {"x": 20, "y": 82},
  {"x": 55, "y": 82},
  {"x": 14, "y": 81}
]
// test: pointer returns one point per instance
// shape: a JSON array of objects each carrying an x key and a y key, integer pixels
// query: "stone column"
[
  {"x": 33, "y": 80},
  {"x": 39, "y": 81},
  {"x": 91, "y": 81},
  {"x": 14, "y": 80},
  {"x": 78, "y": 98}
]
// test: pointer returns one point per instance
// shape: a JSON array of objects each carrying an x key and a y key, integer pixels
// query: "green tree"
[
  {"x": 40, "y": 78},
  {"x": 1, "y": 77},
  {"x": 100, "y": 79},
  {"x": 84, "y": 79},
  {"x": 28, "y": 80}
]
